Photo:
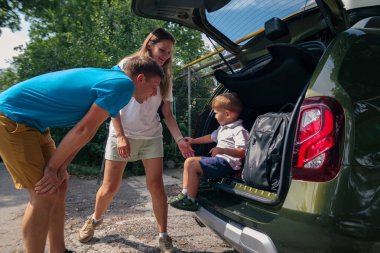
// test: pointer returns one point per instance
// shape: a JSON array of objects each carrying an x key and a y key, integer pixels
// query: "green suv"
[{"x": 318, "y": 61}]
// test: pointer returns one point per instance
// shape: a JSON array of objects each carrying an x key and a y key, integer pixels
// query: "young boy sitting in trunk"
[{"x": 231, "y": 139}]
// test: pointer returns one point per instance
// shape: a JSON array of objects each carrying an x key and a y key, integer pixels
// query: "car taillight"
[{"x": 318, "y": 147}]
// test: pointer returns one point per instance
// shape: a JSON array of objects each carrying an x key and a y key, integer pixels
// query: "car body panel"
[
  {"x": 313, "y": 207},
  {"x": 338, "y": 215},
  {"x": 242, "y": 238}
]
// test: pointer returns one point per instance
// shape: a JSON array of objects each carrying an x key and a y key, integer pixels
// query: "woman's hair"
[
  {"x": 227, "y": 101},
  {"x": 154, "y": 37}
]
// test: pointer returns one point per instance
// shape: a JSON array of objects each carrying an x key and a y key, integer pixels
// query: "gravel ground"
[{"x": 129, "y": 224}]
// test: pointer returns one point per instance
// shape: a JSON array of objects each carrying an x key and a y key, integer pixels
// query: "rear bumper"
[{"x": 243, "y": 239}]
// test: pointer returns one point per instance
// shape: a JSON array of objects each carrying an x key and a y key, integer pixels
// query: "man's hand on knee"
[{"x": 49, "y": 182}]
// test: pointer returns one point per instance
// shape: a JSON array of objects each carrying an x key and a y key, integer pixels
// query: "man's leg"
[
  {"x": 155, "y": 184},
  {"x": 113, "y": 175},
  {"x": 25, "y": 151},
  {"x": 34, "y": 224},
  {"x": 56, "y": 233}
]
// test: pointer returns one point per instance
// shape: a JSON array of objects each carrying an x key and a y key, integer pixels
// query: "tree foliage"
[
  {"x": 10, "y": 11},
  {"x": 97, "y": 33},
  {"x": 8, "y": 15},
  {"x": 75, "y": 33},
  {"x": 8, "y": 77}
]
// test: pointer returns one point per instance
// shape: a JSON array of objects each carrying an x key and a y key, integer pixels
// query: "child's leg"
[
  {"x": 194, "y": 168},
  {"x": 210, "y": 168},
  {"x": 192, "y": 172},
  {"x": 188, "y": 169}
]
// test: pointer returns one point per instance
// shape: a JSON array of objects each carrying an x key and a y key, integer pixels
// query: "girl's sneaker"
[{"x": 165, "y": 244}]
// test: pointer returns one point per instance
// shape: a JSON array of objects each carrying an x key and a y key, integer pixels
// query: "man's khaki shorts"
[
  {"x": 140, "y": 149},
  {"x": 25, "y": 152}
]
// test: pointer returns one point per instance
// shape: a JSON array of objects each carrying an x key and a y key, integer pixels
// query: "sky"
[{"x": 9, "y": 40}]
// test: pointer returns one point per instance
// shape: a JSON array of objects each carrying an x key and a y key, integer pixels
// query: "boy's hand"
[
  {"x": 215, "y": 151},
  {"x": 189, "y": 140}
]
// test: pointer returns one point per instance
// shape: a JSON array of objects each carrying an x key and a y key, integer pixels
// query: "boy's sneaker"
[
  {"x": 86, "y": 233},
  {"x": 185, "y": 204},
  {"x": 69, "y": 251},
  {"x": 180, "y": 196},
  {"x": 165, "y": 244}
]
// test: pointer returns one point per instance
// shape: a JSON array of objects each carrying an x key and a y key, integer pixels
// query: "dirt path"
[{"x": 129, "y": 224}]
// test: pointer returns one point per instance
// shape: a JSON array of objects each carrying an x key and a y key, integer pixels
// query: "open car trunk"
[
  {"x": 329, "y": 196},
  {"x": 274, "y": 83}
]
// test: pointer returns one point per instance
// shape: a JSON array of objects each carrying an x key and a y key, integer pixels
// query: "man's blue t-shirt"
[{"x": 61, "y": 99}]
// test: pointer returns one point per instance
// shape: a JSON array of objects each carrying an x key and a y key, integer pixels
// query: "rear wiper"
[{"x": 221, "y": 55}]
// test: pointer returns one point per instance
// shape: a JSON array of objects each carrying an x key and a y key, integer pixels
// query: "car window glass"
[{"x": 238, "y": 18}]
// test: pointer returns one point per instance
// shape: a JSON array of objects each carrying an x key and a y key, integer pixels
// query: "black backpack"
[{"x": 264, "y": 151}]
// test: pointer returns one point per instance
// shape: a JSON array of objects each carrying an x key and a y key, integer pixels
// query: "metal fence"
[{"x": 202, "y": 69}]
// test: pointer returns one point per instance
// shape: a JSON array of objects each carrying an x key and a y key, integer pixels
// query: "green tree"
[
  {"x": 81, "y": 33},
  {"x": 97, "y": 33},
  {"x": 8, "y": 15},
  {"x": 10, "y": 11},
  {"x": 8, "y": 77}
]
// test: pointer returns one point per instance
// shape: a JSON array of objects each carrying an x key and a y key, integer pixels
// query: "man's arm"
[{"x": 74, "y": 140}]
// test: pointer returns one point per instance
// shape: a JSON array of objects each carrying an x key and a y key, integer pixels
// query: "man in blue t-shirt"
[{"x": 80, "y": 98}]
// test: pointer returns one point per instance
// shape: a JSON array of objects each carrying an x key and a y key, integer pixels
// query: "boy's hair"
[
  {"x": 143, "y": 65},
  {"x": 227, "y": 101}
]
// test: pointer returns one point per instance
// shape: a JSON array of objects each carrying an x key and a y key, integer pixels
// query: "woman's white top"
[{"x": 141, "y": 121}]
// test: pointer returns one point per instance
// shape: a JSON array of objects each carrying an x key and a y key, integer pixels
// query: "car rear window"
[{"x": 238, "y": 18}]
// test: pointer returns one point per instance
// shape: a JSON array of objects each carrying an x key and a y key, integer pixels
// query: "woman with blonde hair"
[
  {"x": 137, "y": 135},
  {"x": 151, "y": 47}
]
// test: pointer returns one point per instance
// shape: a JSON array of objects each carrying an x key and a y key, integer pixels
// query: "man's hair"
[
  {"x": 227, "y": 101},
  {"x": 146, "y": 65}
]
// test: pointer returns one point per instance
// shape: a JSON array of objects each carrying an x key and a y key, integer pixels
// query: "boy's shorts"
[
  {"x": 25, "y": 152},
  {"x": 215, "y": 167},
  {"x": 140, "y": 149}
]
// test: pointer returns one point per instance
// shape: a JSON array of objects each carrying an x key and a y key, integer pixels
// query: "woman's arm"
[
  {"x": 123, "y": 147},
  {"x": 172, "y": 125}
]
